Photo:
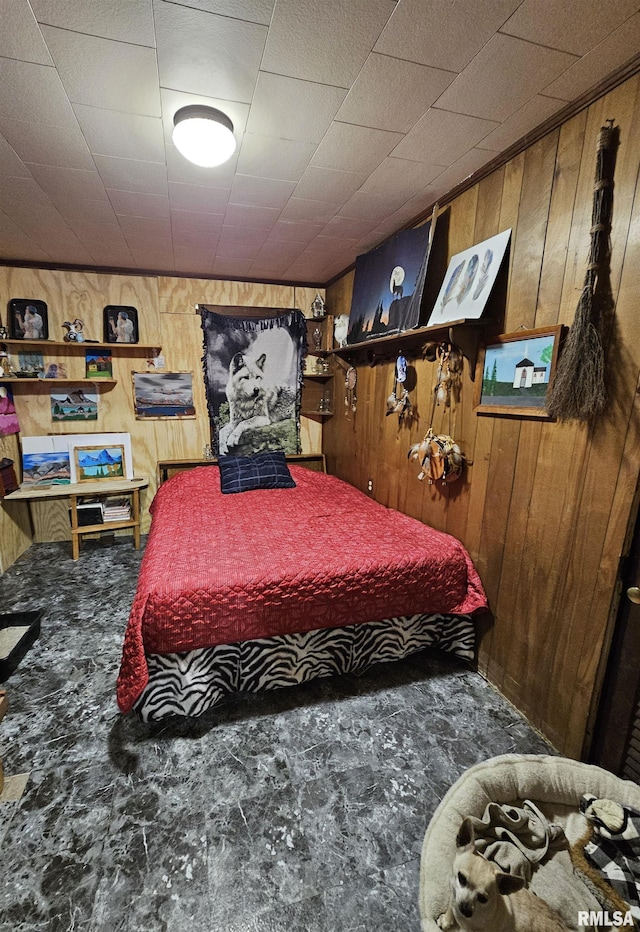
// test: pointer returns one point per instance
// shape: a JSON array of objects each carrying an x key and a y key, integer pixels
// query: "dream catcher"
[
  {"x": 398, "y": 401},
  {"x": 350, "y": 400},
  {"x": 440, "y": 457}
]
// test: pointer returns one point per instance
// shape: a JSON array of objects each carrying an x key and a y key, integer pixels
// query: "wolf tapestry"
[{"x": 253, "y": 371}]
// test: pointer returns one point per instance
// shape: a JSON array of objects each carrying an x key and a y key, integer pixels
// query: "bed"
[{"x": 277, "y": 586}]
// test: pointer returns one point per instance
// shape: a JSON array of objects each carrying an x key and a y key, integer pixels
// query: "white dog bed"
[{"x": 556, "y": 785}]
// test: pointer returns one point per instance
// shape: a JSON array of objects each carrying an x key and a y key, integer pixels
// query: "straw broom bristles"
[{"x": 578, "y": 390}]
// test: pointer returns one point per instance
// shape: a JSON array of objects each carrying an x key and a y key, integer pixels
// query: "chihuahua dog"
[{"x": 485, "y": 898}]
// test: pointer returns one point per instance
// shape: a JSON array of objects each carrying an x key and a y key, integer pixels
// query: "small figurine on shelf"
[
  {"x": 318, "y": 308},
  {"x": 317, "y": 338},
  {"x": 4, "y": 333},
  {"x": 74, "y": 331}
]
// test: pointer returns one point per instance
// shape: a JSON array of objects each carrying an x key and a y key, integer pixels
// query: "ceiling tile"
[
  {"x": 124, "y": 20},
  {"x": 104, "y": 73},
  {"x": 132, "y": 174},
  {"x": 502, "y": 77},
  {"x": 443, "y": 35},
  {"x": 326, "y": 42},
  {"x": 110, "y": 234},
  {"x": 145, "y": 226},
  {"x": 392, "y": 94},
  {"x": 20, "y": 37},
  {"x": 241, "y": 215},
  {"x": 254, "y": 11},
  {"x": 268, "y": 157},
  {"x": 75, "y": 211},
  {"x": 69, "y": 182},
  {"x": 616, "y": 50},
  {"x": 121, "y": 135},
  {"x": 295, "y": 231},
  {"x": 200, "y": 200},
  {"x": 49, "y": 145},
  {"x": 139, "y": 205},
  {"x": 345, "y": 228},
  {"x": 201, "y": 223},
  {"x": 260, "y": 192},
  {"x": 33, "y": 93},
  {"x": 534, "y": 112},
  {"x": 11, "y": 165},
  {"x": 326, "y": 184},
  {"x": 364, "y": 206},
  {"x": 299, "y": 208},
  {"x": 293, "y": 109},
  {"x": 441, "y": 137},
  {"x": 400, "y": 178},
  {"x": 354, "y": 148},
  {"x": 232, "y": 268},
  {"x": 203, "y": 53},
  {"x": 573, "y": 26},
  {"x": 204, "y": 242},
  {"x": 111, "y": 255}
]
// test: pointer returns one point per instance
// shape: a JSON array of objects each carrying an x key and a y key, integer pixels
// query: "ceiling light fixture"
[{"x": 203, "y": 135}]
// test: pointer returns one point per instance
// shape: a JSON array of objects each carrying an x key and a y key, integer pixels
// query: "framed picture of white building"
[{"x": 516, "y": 371}]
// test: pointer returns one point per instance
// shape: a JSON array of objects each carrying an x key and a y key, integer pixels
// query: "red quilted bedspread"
[{"x": 223, "y": 568}]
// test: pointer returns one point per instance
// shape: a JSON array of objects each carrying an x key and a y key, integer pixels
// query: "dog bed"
[{"x": 555, "y": 785}]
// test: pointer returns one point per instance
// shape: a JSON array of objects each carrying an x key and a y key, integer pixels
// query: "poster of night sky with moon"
[{"x": 388, "y": 286}]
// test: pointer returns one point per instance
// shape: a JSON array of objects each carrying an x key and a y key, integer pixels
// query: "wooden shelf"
[
  {"x": 463, "y": 333},
  {"x": 318, "y": 376},
  {"x": 9, "y": 380},
  {"x": 57, "y": 345},
  {"x": 92, "y": 488}
]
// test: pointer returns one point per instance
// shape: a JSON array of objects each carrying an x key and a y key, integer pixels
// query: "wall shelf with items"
[
  {"x": 317, "y": 393},
  {"x": 463, "y": 333},
  {"x": 57, "y": 348},
  {"x": 16, "y": 382}
]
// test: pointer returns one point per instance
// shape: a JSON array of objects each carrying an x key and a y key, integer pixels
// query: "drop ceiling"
[{"x": 352, "y": 117}]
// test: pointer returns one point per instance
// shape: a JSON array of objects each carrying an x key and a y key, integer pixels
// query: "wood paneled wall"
[
  {"x": 544, "y": 507},
  {"x": 166, "y": 316}
]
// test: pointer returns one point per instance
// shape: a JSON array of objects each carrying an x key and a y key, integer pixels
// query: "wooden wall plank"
[{"x": 543, "y": 508}]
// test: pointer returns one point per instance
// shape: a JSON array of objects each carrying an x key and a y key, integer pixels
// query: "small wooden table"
[
  {"x": 99, "y": 489},
  {"x": 313, "y": 461}
]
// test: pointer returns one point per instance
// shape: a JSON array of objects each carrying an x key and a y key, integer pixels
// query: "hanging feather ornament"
[{"x": 578, "y": 390}]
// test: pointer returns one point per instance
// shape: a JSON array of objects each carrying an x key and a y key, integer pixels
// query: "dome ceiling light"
[{"x": 203, "y": 135}]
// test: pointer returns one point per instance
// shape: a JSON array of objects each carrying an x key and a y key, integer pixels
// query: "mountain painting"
[
  {"x": 97, "y": 463},
  {"x": 44, "y": 469}
]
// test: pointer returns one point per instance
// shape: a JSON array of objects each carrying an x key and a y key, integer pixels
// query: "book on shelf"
[{"x": 116, "y": 509}]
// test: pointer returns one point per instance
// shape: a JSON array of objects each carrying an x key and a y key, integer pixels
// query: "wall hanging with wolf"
[{"x": 253, "y": 372}]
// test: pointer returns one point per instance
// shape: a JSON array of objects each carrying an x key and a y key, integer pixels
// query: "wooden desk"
[
  {"x": 101, "y": 489},
  {"x": 314, "y": 461}
]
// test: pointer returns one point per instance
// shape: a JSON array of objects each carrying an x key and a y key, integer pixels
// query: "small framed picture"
[
  {"x": 516, "y": 371},
  {"x": 163, "y": 395},
  {"x": 28, "y": 319},
  {"x": 120, "y": 324},
  {"x": 95, "y": 463}
]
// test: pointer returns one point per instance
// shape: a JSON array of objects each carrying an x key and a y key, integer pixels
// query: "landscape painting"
[
  {"x": 75, "y": 405},
  {"x": 516, "y": 372},
  {"x": 45, "y": 469},
  {"x": 388, "y": 286},
  {"x": 163, "y": 394},
  {"x": 97, "y": 463}
]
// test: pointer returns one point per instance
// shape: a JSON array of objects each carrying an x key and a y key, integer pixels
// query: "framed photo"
[
  {"x": 28, "y": 319},
  {"x": 470, "y": 277},
  {"x": 517, "y": 369},
  {"x": 95, "y": 463},
  {"x": 120, "y": 324},
  {"x": 163, "y": 395}
]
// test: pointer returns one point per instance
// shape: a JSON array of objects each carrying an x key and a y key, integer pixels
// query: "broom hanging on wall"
[{"x": 578, "y": 390}]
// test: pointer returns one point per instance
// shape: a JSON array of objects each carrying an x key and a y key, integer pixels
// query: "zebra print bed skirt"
[{"x": 187, "y": 684}]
